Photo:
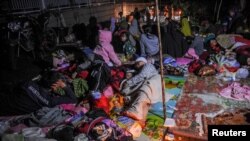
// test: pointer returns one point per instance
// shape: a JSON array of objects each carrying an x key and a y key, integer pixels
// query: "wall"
[
  {"x": 129, "y": 7},
  {"x": 103, "y": 12},
  {"x": 81, "y": 15},
  {"x": 102, "y": 9}
]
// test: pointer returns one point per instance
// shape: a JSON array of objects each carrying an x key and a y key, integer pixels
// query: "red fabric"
[
  {"x": 117, "y": 76},
  {"x": 102, "y": 103},
  {"x": 194, "y": 66},
  {"x": 83, "y": 74},
  {"x": 244, "y": 50},
  {"x": 242, "y": 40},
  {"x": 231, "y": 69},
  {"x": 204, "y": 55}
]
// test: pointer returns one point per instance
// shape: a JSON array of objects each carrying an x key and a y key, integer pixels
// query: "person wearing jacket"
[
  {"x": 198, "y": 42},
  {"x": 134, "y": 32},
  {"x": 32, "y": 96},
  {"x": 145, "y": 71},
  {"x": 140, "y": 91},
  {"x": 149, "y": 43},
  {"x": 106, "y": 50}
]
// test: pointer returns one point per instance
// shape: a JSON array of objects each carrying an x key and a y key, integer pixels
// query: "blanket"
[{"x": 139, "y": 101}]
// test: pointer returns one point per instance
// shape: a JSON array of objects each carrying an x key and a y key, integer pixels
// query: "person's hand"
[
  {"x": 58, "y": 84},
  {"x": 61, "y": 84}
]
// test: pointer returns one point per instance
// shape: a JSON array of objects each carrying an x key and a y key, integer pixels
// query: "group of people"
[
  {"x": 96, "y": 55},
  {"x": 85, "y": 72}
]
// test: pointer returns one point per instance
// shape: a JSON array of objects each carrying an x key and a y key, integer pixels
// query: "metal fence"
[
  {"x": 25, "y": 4},
  {"x": 17, "y": 6}
]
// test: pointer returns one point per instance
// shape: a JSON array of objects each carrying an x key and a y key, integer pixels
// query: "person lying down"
[
  {"x": 141, "y": 90},
  {"x": 32, "y": 96}
]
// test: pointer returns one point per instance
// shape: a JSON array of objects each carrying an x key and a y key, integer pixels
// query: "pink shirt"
[{"x": 105, "y": 49}]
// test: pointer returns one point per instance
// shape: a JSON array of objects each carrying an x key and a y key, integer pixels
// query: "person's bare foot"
[{"x": 141, "y": 121}]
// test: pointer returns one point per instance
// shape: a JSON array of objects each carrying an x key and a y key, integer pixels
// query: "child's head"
[
  {"x": 129, "y": 75},
  {"x": 124, "y": 36},
  {"x": 248, "y": 61},
  {"x": 213, "y": 42}
]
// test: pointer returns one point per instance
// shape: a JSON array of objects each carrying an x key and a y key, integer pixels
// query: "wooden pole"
[
  {"x": 161, "y": 60},
  {"x": 218, "y": 14},
  {"x": 215, "y": 9}
]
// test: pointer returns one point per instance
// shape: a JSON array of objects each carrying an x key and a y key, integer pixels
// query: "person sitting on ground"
[
  {"x": 32, "y": 96},
  {"x": 134, "y": 32},
  {"x": 121, "y": 18},
  {"x": 198, "y": 43},
  {"x": 92, "y": 32},
  {"x": 145, "y": 71},
  {"x": 128, "y": 49},
  {"x": 106, "y": 50},
  {"x": 149, "y": 43}
]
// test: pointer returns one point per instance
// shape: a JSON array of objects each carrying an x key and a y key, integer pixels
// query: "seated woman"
[
  {"x": 197, "y": 43},
  {"x": 149, "y": 43},
  {"x": 32, "y": 96},
  {"x": 106, "y": 50}
]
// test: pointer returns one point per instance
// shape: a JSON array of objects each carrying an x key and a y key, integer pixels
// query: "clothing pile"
[{"x": 90, "y": 107}]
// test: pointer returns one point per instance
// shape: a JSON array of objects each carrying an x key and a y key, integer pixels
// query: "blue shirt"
[{"x": 149, "y": 45}]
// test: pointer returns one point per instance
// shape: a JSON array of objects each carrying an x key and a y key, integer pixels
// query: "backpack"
[{"x": 99, "y": 77}]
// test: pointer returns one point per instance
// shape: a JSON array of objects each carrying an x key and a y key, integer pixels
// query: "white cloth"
[{"x": 141, "y": 59}]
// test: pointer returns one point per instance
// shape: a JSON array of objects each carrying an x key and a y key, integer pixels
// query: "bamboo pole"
[
  {"x": 218, "y": 14},
  {"x": 161, "y": 61},
  {"x": 215, "y": 9}
]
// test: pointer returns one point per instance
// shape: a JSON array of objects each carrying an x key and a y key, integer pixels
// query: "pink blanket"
[{"x": 236, "y": 91}]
